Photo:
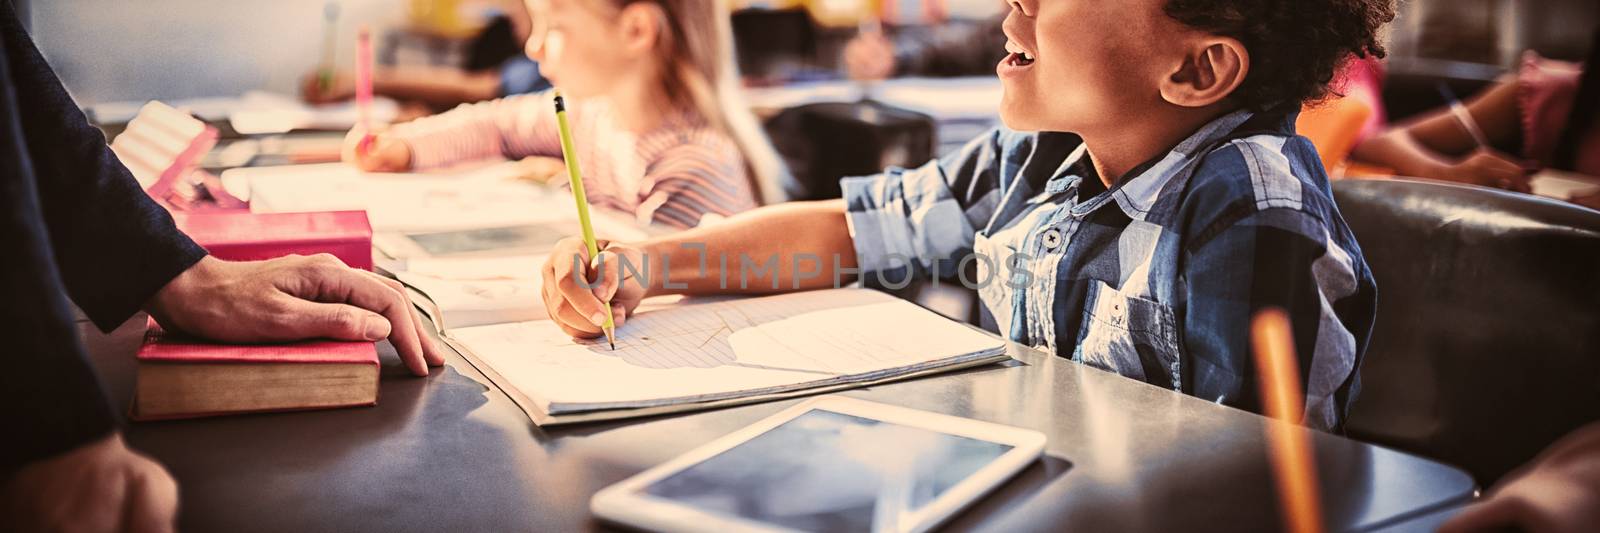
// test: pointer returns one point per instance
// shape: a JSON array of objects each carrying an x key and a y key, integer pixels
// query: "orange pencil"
[{"x": 1288, "y": 444}]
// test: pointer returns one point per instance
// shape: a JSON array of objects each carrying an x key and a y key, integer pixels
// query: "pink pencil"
[{"x": 364, "y": 87}]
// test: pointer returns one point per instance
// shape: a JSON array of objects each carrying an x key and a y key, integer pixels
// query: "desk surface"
[{"x": 451, "y": 453}]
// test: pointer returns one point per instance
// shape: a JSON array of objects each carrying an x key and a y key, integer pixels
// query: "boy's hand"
[
  {"x": 579, "y": 310},
  {"x": 340, "y": 87},
  {"x": 100, "y": 486},
  {"x": 383, "y": 153},
  {"x": 1491, "y": 169}
]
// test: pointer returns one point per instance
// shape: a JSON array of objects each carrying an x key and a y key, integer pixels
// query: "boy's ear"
[
  {"x": 641, "y": 24},
  {"x": 1214, "y": 68}
]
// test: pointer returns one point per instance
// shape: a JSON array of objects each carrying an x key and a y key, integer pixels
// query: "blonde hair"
[{"x": 696, "y": 51}]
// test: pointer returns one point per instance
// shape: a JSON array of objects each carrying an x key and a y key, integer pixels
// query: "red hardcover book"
[
  {"x": 182, "y": 377},
  {"x": 245, "y": 236}
]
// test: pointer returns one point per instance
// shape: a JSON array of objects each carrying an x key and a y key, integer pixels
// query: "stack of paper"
[{"x": 701, "y": 354}]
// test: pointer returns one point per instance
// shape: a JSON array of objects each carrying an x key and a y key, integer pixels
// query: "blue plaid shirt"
[{"x": 1155, "y": 279}]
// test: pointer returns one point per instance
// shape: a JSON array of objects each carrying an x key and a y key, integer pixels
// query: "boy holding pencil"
[{"x": 1164, "y": 200}]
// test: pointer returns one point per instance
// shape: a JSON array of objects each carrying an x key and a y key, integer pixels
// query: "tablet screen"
[{"x": 826, "y": 471}]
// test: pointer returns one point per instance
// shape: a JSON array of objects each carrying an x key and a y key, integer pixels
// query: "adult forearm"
[{"x": 795, "y": 246}]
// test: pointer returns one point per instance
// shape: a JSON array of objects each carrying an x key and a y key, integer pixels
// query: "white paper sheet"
[
  {"x": 483, "y": 195},
  {"x": 478, "y": 197},
  {"x": 1563, "y": 185},
  {"x": 478, "y": 291},
  {"x": 261, "y": 112}
]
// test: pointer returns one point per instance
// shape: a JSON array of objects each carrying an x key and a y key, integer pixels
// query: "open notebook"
[{"x": 687, "y": 354}]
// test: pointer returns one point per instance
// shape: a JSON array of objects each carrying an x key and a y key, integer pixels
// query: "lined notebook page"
[{"x": 692, "y": 351}]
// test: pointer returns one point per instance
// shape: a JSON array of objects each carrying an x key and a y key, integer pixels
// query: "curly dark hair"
[{"x": 1296, "y": 46}]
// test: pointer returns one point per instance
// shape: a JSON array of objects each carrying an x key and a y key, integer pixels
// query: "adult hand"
[
  {"x": 100, "y": 486},
  {"x": 580, "y": 310},
  {"x": 340, "y": 86},
  {"x": 383, "y": 153},
  {"x": 294, "y": 298},
  {"x": 1558, "y": 493},
  {"x": 869, "y": 56},
  {"x": 1490, "y": 168}
]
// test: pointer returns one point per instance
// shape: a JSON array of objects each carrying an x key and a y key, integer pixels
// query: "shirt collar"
[{"x": 1136, "y": 195}]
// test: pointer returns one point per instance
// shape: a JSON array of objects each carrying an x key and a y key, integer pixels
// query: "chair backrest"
[
  {"x": 823, "y": 142},
  {"x": 1487, "y": 342}
]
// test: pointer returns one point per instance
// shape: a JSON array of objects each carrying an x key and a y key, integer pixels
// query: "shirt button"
[{"x": 1051, "y": 239}]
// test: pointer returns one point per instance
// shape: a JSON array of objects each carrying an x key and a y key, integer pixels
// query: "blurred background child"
[{"x": 657, "y": 119}]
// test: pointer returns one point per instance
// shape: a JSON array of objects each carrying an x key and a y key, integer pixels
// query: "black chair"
[
  {"x": 1487, "y": 342},
  {"x": 824, "y": 142}
]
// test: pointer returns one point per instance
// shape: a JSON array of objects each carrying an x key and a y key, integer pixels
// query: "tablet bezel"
[{"x": 626, "y": 502}]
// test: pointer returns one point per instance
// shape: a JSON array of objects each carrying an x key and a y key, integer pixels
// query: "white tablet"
[{"x": 829, "y": 464}]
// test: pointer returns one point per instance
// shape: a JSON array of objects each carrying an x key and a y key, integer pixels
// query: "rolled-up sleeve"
[{"x": 907, "y": 220}]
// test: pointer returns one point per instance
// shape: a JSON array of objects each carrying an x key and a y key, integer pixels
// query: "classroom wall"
[{"x": 113, "y": 50}]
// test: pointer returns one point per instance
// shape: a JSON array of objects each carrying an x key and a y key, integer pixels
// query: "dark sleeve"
[
  {"x": 114, "y": 247},
  {"x": 972, "y": 49},
  {"x": 71, "y": 219}
]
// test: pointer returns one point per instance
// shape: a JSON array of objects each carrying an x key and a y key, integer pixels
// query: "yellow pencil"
[{"x": 571, "y": 157}]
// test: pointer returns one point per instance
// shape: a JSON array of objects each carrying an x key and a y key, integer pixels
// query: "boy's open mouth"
[{"x": 1018, "y": 57}]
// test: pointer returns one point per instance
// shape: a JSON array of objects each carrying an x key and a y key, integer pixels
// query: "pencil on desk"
[
  {"x": 1288, "y": 444},
  {"x": 582, "y": 199},
  {"x": 364, "y": 88}
]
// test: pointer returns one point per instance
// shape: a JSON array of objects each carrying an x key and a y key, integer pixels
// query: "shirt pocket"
[
  {"x": 993, "y": 291},
  {"x": 1131, "y": 336}
]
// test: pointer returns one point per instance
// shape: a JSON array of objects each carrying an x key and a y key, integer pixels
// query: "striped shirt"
[
  {"x": 1156, "y": 278},
  {"x": 673, "y": 175}
]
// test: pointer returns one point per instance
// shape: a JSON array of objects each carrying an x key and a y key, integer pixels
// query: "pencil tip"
[{"x": 613, "y": 346}]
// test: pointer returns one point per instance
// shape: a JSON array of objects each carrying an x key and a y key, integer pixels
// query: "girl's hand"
[
  {"x": 340, "y": 87},
  {"x": 576, "y": 288},
  {"x": 1591, "y": 201},
  {"x": 383, "y": 153},
  {"x": 1490, "y": 168}
]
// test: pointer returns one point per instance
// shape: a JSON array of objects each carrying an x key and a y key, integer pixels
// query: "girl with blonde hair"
[{"x": 657, "y": 119}]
